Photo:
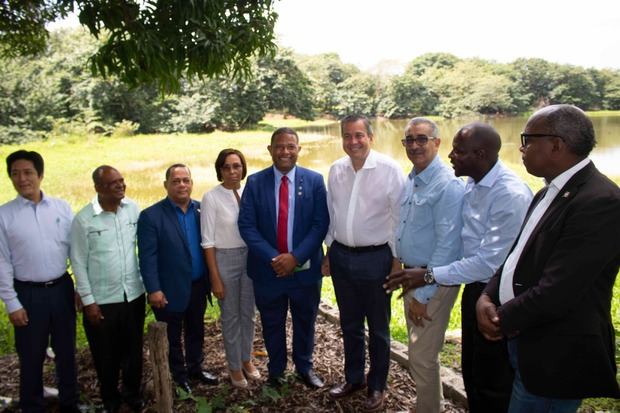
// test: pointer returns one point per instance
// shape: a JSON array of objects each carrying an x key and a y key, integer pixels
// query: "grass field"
[{"x": 143, "y": 159}]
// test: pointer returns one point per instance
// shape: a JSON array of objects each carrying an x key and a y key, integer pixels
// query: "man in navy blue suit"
[
  {"x": 175, "y": 275},
  {"x": 283, "y": 219}
]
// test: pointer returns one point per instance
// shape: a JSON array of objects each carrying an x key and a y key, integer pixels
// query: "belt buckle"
[{"x": 49, "y": 283}]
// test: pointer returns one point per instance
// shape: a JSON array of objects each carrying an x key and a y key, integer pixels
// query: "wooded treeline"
[{"x": 56, "y": 92}]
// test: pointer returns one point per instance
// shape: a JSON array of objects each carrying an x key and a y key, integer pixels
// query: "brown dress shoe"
[
  {"x": 345, "y": 389},
  {"x": 374, "y": 402}
]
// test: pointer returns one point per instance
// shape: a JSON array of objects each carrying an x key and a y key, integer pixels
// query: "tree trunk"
[{"x": 158, "y": 355}]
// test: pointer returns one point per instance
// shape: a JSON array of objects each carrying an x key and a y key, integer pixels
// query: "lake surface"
[{"x": 388, "y": 133}]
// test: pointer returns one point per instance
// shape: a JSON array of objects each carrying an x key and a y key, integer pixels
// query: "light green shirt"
[{"x": 103, "y": 253}]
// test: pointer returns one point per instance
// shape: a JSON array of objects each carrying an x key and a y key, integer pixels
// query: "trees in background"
[{"x": 57, "y": 91}]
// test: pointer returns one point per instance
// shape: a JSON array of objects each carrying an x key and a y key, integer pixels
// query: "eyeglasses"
[
  {"x": 230, "y": 167},
  {"x": 525, "y": 137},
  {"x": 421, "y": 140}
]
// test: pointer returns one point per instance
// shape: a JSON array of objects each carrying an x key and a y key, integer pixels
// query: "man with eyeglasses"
[
  {"x": 429, "y": 235},
  {"x": 552, "y": 296},
  {"x": 283, "y": 219},
  {"x": 105, "y": 262},
  {"x": 494, "y": 205},
  {"x": 175, "y": 275}
]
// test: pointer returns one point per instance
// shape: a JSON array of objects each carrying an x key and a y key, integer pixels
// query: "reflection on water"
[{"x": 388, "y": 133}]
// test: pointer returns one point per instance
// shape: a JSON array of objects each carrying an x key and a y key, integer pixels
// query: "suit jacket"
[
  {"x": 563, "y": 285},
  {"x": 257, "y": 226},
  {"x": 165, "y": 258}
]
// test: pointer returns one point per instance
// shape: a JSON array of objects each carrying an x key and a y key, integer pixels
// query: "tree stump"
[{"x": 158, "y": 355}]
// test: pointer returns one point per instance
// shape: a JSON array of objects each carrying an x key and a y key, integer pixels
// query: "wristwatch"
[{"x": 429, "y": 276}]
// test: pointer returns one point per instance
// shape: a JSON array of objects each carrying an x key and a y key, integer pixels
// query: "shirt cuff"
[
  {"x": 13, "y": 305},
  {"x": 424, "y": 294},
  {"x": 88, "y": 300},
  {"x": 442, "y": 275}
]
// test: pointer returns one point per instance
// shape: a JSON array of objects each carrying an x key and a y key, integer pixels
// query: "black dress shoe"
[
  {"x": 204, "y": 377},
  {"x": 70, "y": 409},
  {"x": 345, "y": 389},
  {"x": 374, "y": 402},
  {"x": 311, "y": 379},
  {"x": 183, "y": 386}
]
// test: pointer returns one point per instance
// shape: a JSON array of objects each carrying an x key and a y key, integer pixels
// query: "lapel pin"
[{"x": 566, "y": 194}]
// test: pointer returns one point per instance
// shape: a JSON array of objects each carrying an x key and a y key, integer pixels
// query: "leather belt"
[
  {"x": 369, "y": 248},
  {"x": 44, "y": 284}
]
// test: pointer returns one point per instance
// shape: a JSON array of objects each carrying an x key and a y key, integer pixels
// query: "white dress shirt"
[
  {"x": 506, "y": 291},
  {"x": 364, "y": 206},
  {"x": 493, "y": 212},
  {"x": 34, "y": 243},
  {"x": 219, "y": 211}
]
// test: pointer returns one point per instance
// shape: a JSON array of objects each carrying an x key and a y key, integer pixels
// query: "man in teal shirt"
[{"x": 105, "y": 264}]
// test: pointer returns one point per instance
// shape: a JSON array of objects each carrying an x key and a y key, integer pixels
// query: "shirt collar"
[
  {"x": 369, "y": 163},
  {"x": 290, "y": 174},
  {"x": 489, "y": 179},
  {"x": 97, "y": 209},
  {"x": 25, "y": 201},
  {"x": 427, "y": 174},
  {"x": 190, "y": 206},
  {"x": 559, "y": 181}
]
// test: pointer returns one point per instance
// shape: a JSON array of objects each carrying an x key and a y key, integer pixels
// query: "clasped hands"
[{"x": 284, "y": 264}]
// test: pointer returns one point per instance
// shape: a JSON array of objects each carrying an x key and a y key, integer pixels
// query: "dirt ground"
[{"x": 292, "y": 397}]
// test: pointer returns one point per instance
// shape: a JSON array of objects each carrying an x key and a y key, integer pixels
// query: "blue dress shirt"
[
  {"x": 429, "y": 232},
  {"x": 291, "y": 201},
  {"x": 190, "y": 227},
  {"x": 34, "y": 243},
  {"x": 493, "y": 211}
]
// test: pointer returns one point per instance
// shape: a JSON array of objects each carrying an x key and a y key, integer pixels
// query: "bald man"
[
  {"x": 552, "y": 296},
  {"x": 494, "y": 205}
]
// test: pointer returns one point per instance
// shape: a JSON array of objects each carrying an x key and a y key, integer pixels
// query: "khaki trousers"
[{"x": 425, "y": 343}]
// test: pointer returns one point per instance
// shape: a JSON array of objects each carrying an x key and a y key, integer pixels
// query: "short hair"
[
  {"x": 484, "y": 136},
  {"x": 176, "y": 165},
  {"x": 423, "y": 121},
  {"x": 284, "y": 130},
  {"x": 221, "y": 159},
  {"x": 32, "y": 156},
  {"x": 355, "y": 118},
  {"x": 99, "y": 171},
  {"x": 572, "y": 124}
]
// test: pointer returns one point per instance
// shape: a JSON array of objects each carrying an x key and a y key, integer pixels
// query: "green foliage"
[{"x": 152, "y": 42}]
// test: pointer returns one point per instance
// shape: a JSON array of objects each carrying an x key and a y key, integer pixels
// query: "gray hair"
[
  {"x": 355, "y": 118},
  {"x": 572, "y": 124},
  {"x": 423, "y": 121}
]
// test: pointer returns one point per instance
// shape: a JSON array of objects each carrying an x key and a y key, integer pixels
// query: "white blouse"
[{"x": 219, "y": 211}]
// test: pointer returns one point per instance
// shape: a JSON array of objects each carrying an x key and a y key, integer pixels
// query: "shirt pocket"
[{"x": 101, "y": 239}]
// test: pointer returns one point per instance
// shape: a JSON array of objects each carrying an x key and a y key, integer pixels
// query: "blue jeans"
[{"x": 522, "y": 401}]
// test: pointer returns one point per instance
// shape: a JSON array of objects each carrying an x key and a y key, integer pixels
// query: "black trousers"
[
  {"x": 116, "y": 345},
  {"x": 190, "y": 324},
  {"x": 51, "y": 319},
  {"x": 358, "y": 279},
  {"x": 487, "y": 373}
]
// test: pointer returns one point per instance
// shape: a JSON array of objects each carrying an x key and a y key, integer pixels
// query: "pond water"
[{"x": 388, "y": 133}]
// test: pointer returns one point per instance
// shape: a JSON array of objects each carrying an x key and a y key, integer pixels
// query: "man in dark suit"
[
  {"x": 175, "y": 275},
  {"x": 552, "y": 296},
  {"x": 283, "y": 219}
]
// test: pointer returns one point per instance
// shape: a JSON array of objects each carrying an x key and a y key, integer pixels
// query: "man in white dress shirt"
[
  {"x": 363, "y": 198},
  {"x": 35, "y": 286}
]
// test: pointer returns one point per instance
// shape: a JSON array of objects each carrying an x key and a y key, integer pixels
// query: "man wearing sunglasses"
[
  {"x": 429, "y": 234},
  {"x": 552, "y": 296},
  {"x": 494, "y": 205}
]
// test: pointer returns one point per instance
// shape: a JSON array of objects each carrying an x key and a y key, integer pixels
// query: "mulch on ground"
[{"x": 292, "y": 397}]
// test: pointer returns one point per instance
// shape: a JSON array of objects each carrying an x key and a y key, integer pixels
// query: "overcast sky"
[{"x": 364, "y": 32}]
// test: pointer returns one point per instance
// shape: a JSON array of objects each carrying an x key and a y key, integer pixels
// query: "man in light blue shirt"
[
  {"x": 494, "y": 206},
  {"x": 105, "y": 263},
  {"x": 35, "y": 285},
  {"x": 429, "y": 235}
]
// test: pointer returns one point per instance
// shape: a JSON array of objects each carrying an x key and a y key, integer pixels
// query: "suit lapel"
[
  {"x": 269, "y": 196},
  {"x": 172, "y": 215},
  {"x": 561, "y": 200},
  {"x": 298, "y": 190}
]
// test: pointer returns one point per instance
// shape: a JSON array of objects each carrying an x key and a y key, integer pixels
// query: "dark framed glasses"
[
  {"x": 525, "y": 137},
  {"x": 421, "y": 140}
]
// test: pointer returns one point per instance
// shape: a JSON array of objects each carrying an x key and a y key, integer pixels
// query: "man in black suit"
[{"x": 552, "y": 296}]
